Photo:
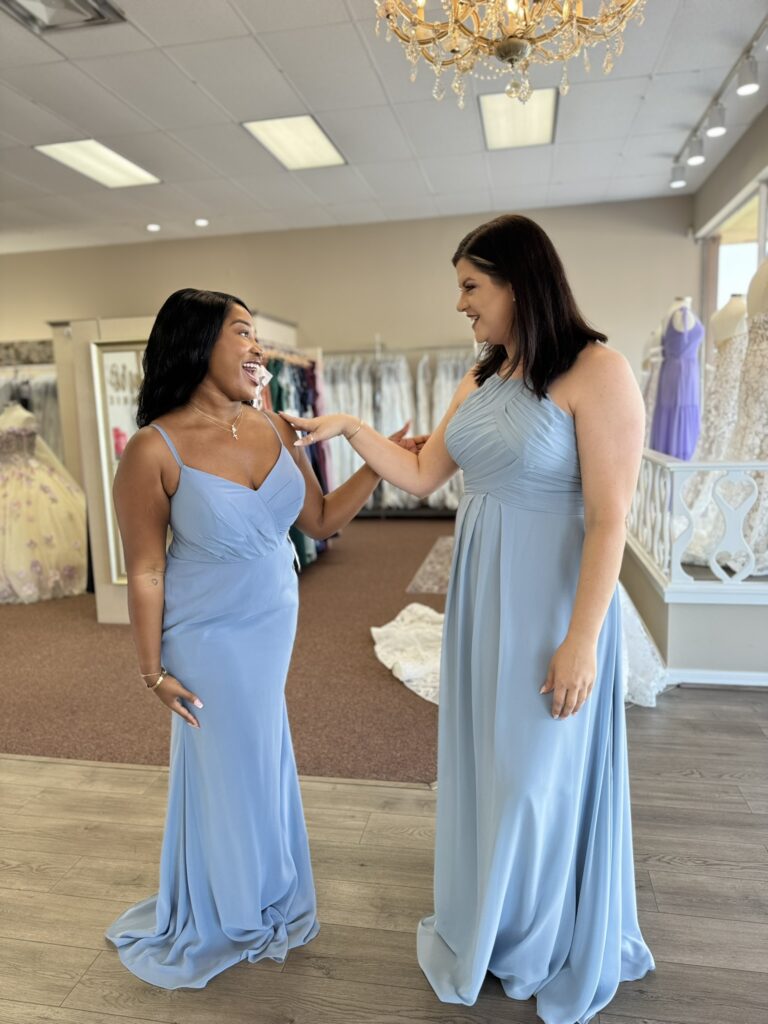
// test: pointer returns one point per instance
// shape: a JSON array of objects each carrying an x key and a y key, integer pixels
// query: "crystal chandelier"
[{"x": 504, "y": 37}]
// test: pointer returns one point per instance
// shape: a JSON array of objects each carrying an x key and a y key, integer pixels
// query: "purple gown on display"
[{"x": 677, "y": 416}]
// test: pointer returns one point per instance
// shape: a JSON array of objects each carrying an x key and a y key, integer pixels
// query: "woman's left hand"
[{"x": 571, "y": 676}]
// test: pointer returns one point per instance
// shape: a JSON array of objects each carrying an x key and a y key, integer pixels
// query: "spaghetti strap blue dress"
[
  {"x": 235, "y": 875},
  {"x": 534, "y": 877}
]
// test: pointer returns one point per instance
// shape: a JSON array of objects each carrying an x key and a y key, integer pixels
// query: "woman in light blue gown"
[
  {"x": 213, "y": 623},
  {"x": 534, "y": 878}
]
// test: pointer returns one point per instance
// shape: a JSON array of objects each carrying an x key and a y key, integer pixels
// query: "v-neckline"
[{"x": 235, "y": 483}]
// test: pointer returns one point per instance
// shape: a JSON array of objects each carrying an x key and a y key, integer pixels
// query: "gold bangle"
[
  {"x": 359, "y": 425},
  {"x": 160, "y": 678}
]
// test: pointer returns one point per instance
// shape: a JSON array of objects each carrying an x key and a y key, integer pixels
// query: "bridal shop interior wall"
[{"x": 344, "y": 285}]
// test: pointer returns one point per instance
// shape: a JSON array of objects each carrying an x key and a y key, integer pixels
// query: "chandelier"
[{"x": 496, "y": 38}]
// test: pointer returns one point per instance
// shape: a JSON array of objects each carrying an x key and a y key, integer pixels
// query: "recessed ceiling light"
[
  {"x": 99, "y": 163},
  {"x": 677, "y": 178},
  {"x": 748, "y": 82},
  {"x": 45, "y": 15},
  {"x": 716, "y": 121},
  {"x": 299, "y": 143},
  {"x": 696, "y": 152},
  {"x": 201, "y": 222},
  {"x": 153, "y": 227},
  {"x": 509, "y": 124}
]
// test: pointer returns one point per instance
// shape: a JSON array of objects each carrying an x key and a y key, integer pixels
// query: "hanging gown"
[
  {"x": 43, "y": 547},
  {"x": 235, "y": 875},
  {"x": 677, "y": 414},
  {"x": 534, "y": 878}
]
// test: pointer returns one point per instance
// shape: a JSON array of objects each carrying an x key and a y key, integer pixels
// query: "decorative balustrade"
[{"x": 701, "y": 513}]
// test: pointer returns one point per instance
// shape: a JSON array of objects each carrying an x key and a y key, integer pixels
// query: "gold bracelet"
[
  {"x": 161, "y": 677},
  {"x": 350, "y": 436}
]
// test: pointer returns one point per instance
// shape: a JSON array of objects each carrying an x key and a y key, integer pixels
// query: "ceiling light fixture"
[
  {"x": 748, "y": 83},
  {"x": 99, "y": 163},
  {"x": 677, "y": 178},
  {"x": 744, "y": 73},
  {"x": 299, "y": 143},
  {"x": 153, "y": 227},
  {"x": 508, "y": 126},
  {"x": 41, "y": 16},
  {"x": 201, "y": 222},
  {"x": 716, "y": 121},
  {"x": 696, "y": 152},
  {"x": 492, "y": 38}
]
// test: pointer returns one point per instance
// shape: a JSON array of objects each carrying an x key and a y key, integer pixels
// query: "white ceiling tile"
[
  {"x": 217, "y": 196},
  {"x": 647, "y": 154},
  {"x": 356, "y": 213},
  {"x": 568, "y": 193},
  {"x": 675, "y": 102},
  {"x": 709, "y": 34},
  {"x": 441, "y": 129},
  {"x": 13, "y": 188},
  {"x": 601, "y": 109},
  {"x": 184, "y": 21},
  {"x": 409, "y": 209},
  {"x": 522, "y": 197},
  {"x": 366, "y": 134},
  {"x": 477, "y": 201},
  {"x": 32, "y": 124},
  {"x": 642, "y": 187},
  {"x": 99, "y": 41},
  {"x": 336, "y": 184},
  {"x": 154, "y": 85},
  {"x": 306, "y": 217},
  {"x": 576, "y": 162},
  {"x": 159, "y": 154},
  {"x": 451, "y": 174},
  {"x": 18, "y": 46},
  {"x": 278, "y": 190},
  {"x": 229, "y": 148},
  {"x": 44, "y": 172},
  {"x": 513, "y": 168},
  {"x": 392, "y": 179},
  {"x": 328, "y": 66},
  {"x": 68, "y": 92},
  {"x": 268, "y": 16},
  {"x": 240, "y": 76}
]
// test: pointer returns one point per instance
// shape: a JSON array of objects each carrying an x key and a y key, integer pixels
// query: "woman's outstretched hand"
[
  {"x": 323, "y": 428},
  {"x": 571, "y": 677},
  {"x": 171, "y": 692}
]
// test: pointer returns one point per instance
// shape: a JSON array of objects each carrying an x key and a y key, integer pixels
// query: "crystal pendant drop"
[
  {"x": 414, "y": 72},
  {"x": 513, "y": 89},
  {"x": 438, "y": 92},
  {"x": 565, "y": 85},
  {"x": 525, "y": 90},
  {"x": 608, "y": 63},
  {"x": 587, "y": 61}
]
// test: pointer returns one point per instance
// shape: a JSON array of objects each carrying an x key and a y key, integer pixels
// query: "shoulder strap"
[
  {"x": 168, "y": 441},
  {"x": 269, "y": 421}
]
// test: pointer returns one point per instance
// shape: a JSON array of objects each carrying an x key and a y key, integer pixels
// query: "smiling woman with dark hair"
[
  {"x": 534, "y": 879},
  {"x": 213, "y": 622}
]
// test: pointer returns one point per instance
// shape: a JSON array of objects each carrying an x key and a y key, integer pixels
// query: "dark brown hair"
[{"x": 549, "y": 329}]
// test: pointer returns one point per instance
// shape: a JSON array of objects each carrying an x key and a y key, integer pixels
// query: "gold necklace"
[{"x": 232, "y": 427}]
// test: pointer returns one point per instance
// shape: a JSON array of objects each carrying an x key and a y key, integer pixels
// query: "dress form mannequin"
[
  {"x": 757, "y": 293},
  {"x": 653, "y": 355},
  {"x": 729, "y": 321},
  {"x": 680, "y": 314}
]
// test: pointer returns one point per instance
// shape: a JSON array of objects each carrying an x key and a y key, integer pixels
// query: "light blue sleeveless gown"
[
  {"x": 235, "y": 874},
  {"x": 534, "y": 878}
]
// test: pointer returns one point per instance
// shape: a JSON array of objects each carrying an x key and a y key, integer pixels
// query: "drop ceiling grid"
[{"x": 170, "y": 89}]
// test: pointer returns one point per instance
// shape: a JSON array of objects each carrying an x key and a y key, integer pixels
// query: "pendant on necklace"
[{"x": 234, "y": 432}]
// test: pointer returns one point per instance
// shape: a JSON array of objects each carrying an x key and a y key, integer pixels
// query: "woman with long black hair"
[
  {"x": 213, "y": 623},
  {"x": 534, "y": 879}
]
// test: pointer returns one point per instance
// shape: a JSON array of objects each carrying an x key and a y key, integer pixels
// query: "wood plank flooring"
[{"x": 79, "y": 842}]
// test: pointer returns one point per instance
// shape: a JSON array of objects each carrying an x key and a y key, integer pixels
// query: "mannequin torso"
[
  {"x": 757, "y": 294},
  {"x": 729, "y": 321}
]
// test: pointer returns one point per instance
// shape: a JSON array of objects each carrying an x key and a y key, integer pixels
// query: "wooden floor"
[{"x": 80, "y": 841}]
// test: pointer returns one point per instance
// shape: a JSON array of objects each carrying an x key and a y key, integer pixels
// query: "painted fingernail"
[
  {"x": 543, "y": 688},
  {"x": 198, "y": 703}
]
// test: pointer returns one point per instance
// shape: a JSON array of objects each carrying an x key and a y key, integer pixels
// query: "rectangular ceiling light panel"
[
  {"x": 45, "y": 15},
  {"x": 98, "y": 162},
  {"x": 508, "y": 123},
  {"x": 299, "y": 143}
]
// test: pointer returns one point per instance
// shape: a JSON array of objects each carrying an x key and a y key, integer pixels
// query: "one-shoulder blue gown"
[
  {"x": 235, "y": 874},
  {"x": 534, "y": 877}
]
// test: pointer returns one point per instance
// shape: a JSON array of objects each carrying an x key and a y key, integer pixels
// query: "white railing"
[{"x": 677, "y": 503}]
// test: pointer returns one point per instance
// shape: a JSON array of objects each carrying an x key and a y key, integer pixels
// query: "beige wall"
[
  {"x": 746, "y": 162},
  {"x": 626, "y": 262}
]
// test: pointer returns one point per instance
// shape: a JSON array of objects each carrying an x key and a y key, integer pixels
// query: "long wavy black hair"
[
  {"x": 548, "y": 328},
  {"x": 179, "y": 349}
]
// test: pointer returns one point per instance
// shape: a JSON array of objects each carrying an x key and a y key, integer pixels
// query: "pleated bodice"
[{"x": 517, "y": 448}]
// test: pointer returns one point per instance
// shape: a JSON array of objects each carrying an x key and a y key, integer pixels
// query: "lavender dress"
[{"x": 677, "y": 416}]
